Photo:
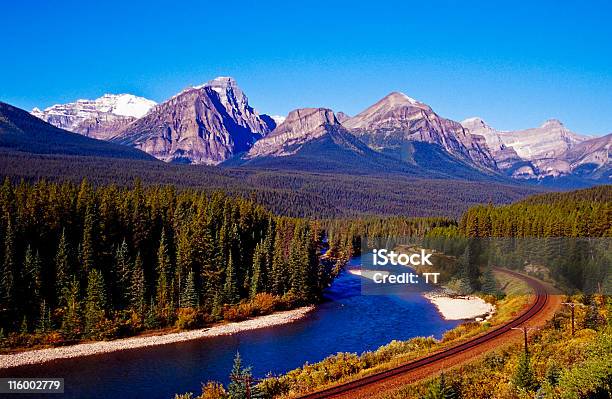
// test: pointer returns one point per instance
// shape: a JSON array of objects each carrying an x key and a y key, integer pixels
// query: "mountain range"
[
  {"x": 100, "y": 118},
  {"x": 22, "y": 132},
  {"x": 548, "y": 151},
  {"x": 214, "y": 124}
]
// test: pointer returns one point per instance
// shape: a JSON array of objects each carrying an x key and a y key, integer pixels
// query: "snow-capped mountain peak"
[
  {"x": 97, "y": 118},
  {"x": 125, "y": 105},
  {"x": 278, "y": 119}
]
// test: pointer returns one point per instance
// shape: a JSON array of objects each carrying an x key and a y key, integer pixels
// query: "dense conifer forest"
[
  {"x": 288, "y": 193},
  {"x": 582, "y": 213},
  {"x": 80, "y": 261}
]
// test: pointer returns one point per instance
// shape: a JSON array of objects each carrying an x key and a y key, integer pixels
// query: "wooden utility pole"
[
  {"x": 525, "y": 329},
  {"x": 572, "y": 305}
]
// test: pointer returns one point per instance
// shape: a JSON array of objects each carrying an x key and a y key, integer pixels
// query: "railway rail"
[{"x": 541, "y": 299}]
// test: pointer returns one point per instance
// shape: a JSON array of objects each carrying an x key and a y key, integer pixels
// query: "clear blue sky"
[{"x": 513, "y": 64}]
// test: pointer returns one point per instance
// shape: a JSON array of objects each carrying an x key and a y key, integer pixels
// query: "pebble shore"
[{"x": 94, "y": 348}]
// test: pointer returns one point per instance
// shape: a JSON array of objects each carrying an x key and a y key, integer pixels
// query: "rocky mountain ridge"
[
  {"x": 548, "y": 151},
  {"x": 397, "y": 120},
  {"x": 100, "y": 118},
  {"x": 206, "y": 124},
  {"x": 213, "y": 124}
]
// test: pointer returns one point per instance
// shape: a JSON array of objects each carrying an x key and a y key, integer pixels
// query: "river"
[{"x": 345, "y": 322}]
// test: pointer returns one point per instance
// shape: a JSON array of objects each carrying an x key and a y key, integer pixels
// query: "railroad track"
[{"x": 534, "y": 309}]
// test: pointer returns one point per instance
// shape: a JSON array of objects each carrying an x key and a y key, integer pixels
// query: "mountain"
[
  {"x": 505, "y": 156},
  {"x": 100, "y": 118},
  {"x": 550, "y": 140},
  {"x": 397, "y": 123},
  {"x": 548, "y": 151},
  {"x": 591, "y": 158},
  {"x": 278, "y": 119},
  {"x": 22, "y": 132},
  {"x": 313, "y": 139},
  {"x": 205, "y": 124},
  {"x": 342, "y": 117}
]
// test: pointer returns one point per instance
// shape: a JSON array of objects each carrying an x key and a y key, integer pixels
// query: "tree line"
[
  {"x": 564, "y": 236},
  {"x": 288, "y": 193},
  {"x": 79, "y": 261}
]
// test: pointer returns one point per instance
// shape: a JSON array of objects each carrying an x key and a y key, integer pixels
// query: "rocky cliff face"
[
  {"x": 313, "y": 139},
  {"x": 100, "y": 118},
  {"x": 550, "y": 140},
  {"x": 591, "y": 158},
  {"x": 398, "y": 120},
  {"x": 300, "y": 127},
  {"x": 505, "y": 156},
  {"x": 550, "y": 150},
  {"x": 342, "y": 117},
  {"x": 206, "y": 124}
]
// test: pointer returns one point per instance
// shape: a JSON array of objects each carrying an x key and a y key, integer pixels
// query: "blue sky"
[{"x": 514, "y": 64}]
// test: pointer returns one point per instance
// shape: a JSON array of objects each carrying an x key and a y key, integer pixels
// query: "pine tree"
[
  {"x": 268, "y": 253},
  {"x": 241, "y": 381},
  {"x": 553, "y": 373},
  {"x": 257, "y": 279},
  {"x": 489, "y": 284},
  {"x": 71, "y": 323},
  {"x": 278, "y": 277},
  {"x": 44, "y": 320},
  {"x": 32, "y": 269},
  {"x": 439, "y": 389},
  {"x": 123, "y": 269},
  {"x": 152, "y": 319},
  {"x": 62, "y": 266},
  {"x": 217, "y": 306},
  {"x": 298, "y": 264},
  {"x": 163, "y": 268},
  {"x": 230, "y": 288},
  {"x": 95, "y": 302},
  {"x": 137, "y": 287},
  {"x": 189, "y": 296},
  {"x": 88, "y": 256},
  {"x": 524, "y": 377},
  {"x": 7, "y": 283}
]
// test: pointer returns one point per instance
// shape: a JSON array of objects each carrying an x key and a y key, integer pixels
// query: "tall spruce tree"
[
  {"x": 189, "y": 295},
  {"x": 123, "y": 270},
  {"x": 71, "y": 322},
  {"x": 524, "y": 377},
  {"x": 241, "y": 381},
  {"x": 62, "y": 266},
  {"x": 258, "y": 282},
  {"x": 279, "y": 270},
  {"x": 88, "y": 253},
  {"x": 138, "y": 287},
  {"x": 7, "y": 282},
  {"x": 163, "y": 268},
  {"x": 95, "y": 302},
  {"x": 230, "y": 288}
]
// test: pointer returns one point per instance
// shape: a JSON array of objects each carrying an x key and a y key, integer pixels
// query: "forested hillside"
[
  {"x": 582, "y": 213},
  {"x": 84, "y": 262},
  {"x": 301, "y": 194}
]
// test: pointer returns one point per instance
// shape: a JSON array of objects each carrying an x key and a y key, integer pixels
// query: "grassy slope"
[{"x": 563, "y": 366}]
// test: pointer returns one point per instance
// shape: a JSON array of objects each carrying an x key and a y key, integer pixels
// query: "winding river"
[{"x": 345, "y": 322}]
